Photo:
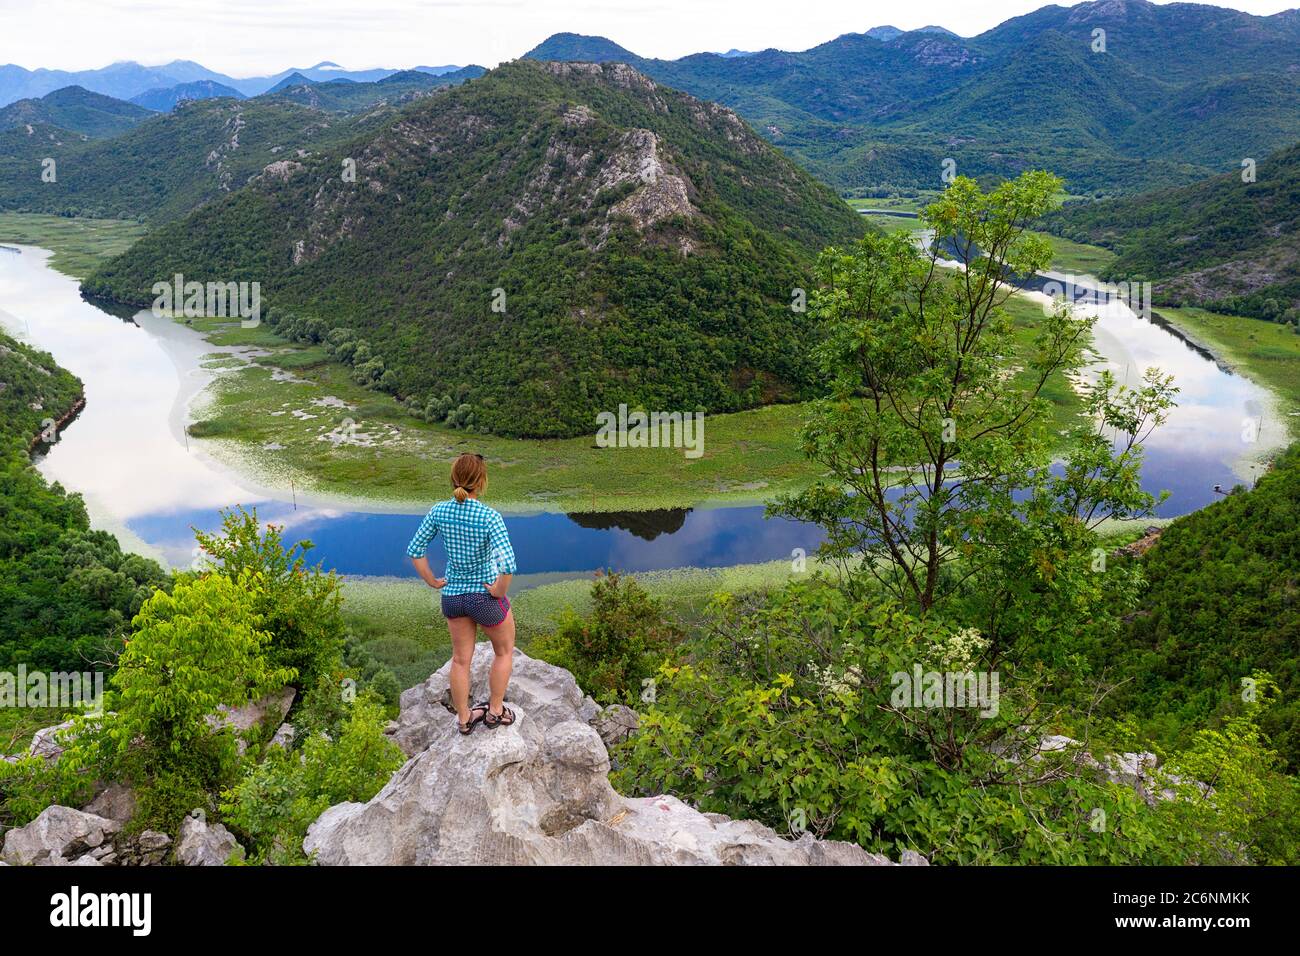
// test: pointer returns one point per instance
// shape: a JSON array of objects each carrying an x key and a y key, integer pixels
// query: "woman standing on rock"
[{"x": 480, "y": 563}]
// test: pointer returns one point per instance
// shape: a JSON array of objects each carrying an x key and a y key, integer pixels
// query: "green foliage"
[
  {"x": 620, "y": 646},
  {"x": 1221, "y": 605},
  {"x": 272, "y": 807},
  {"x": 66, "y": 592},
  {"x": 299, "y": 606},
  {"x": 787, "y": 714},
  {"x": 1230, "y": 795},
  {"x": 199, "y": 648},
  {"x": 35, "y": 393},
  {"x": 192, "y": 652}
]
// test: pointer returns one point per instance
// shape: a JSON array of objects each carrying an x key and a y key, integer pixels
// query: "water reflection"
[{"x": 646, "y": 525}]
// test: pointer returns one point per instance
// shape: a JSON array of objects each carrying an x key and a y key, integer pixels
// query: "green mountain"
[
  {"x": 165, "y": 99},
  {"x": 577, "y": 47},
  {"x": 167, "y": 165},
  {"x": 639, "y": 245},
  {"x": 347, "y": 96},
  {"x": 1220, "y": 605},
  {"x": 1179, "y": 91},
  {"x": 1223, "y": 243},
  {"x": 76, "y": 110}
]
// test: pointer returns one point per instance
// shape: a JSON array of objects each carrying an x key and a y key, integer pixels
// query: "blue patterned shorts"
[{"x": 486, "y": 610}]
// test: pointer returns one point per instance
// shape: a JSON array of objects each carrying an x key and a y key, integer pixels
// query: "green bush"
[
  {"x": 272, "y": 807},
  {"x": 619, "y": 647},
  {"x": 299, "y": 606},
  {"x": 787, "y": 714}
]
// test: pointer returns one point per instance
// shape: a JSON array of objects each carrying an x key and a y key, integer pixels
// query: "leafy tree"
[
  {"x": 192, "y": 652},
  {"x": 939, "y": 489},
  {"x": 298, "y": 605},
  {"x": 1230, "y": 797}
]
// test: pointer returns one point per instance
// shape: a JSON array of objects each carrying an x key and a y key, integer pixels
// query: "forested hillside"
[
  {"x": 1226, "y": 243},
  {"x": 66, "y": 592},
  {"x": 75, "y": 110},
  {"x": 646, "y": 247},
  {"x": 1221, "y": 605},
  {"x": 168, "y": 165}
]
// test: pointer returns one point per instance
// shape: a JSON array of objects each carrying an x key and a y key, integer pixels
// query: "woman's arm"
[
  {"x": 423, "y": 570},
  {"x": 503, "y": 557},
  {"x": 418, "y": 548}
]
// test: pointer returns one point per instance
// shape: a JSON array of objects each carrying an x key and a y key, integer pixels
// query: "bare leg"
[
  {"x": 502, "y": 637},
  {"x": 463, "y": 632}
]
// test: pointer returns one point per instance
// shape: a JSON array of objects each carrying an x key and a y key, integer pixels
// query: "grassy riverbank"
[
  {"x": 1077, "y": 257},
  {"x": 402, "y": 626},
  {"x": 79, "y": 245},
  {"x": 1266, "y": 352}
]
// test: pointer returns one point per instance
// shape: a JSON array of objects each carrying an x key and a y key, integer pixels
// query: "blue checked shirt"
[{"x": 478, "y": 547}]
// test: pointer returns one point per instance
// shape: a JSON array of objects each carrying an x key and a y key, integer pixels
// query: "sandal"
[
  {"x": 503, "y": 719},
  {"x": 468, "y": 728}
]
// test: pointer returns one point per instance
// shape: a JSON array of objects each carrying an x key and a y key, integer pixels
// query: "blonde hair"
[{"x": 468, "y": 477}]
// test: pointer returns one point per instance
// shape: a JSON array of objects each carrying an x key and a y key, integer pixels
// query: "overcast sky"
[{"x": 256, "y": 37}]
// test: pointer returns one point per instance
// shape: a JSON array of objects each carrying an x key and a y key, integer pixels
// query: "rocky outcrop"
[
  {"x": 1150, "y": 538},
  {"x": 616, "y": 724},
  {"x": 269, "y": 710},
  {"x": 150, "y": 848},
  {"x": 205, "y": 844},
  {"x": 56, "y": 836},
  {"x": 61, "y": 836},
  {"x": 47, "y": 742},
  {"x": 1134, "y": 769},
  {"x": 536, "y": 792},
  {"x": 116, "y": 802}
]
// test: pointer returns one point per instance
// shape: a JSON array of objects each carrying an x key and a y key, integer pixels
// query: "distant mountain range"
[
  {"x": 1180, "y": 91},
  {"x": 165, "y": 99},
  {"x": 1174, "y": 93},
  {"x": 120, "y": 160},
  {"x": 126, "y": 80},
  {"x": 344, "y": 95}
]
